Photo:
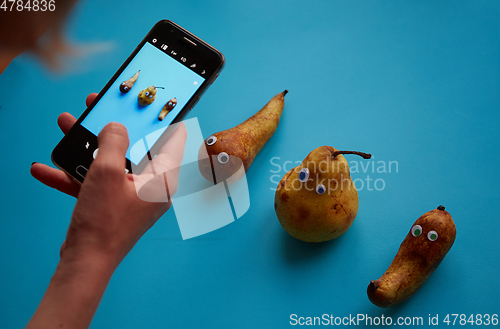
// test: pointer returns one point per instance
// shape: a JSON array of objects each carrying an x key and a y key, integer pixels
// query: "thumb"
[{"x": 113, "y": 144}]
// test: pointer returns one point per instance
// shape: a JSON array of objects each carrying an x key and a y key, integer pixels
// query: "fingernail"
[{"x": 33, "y": 163}]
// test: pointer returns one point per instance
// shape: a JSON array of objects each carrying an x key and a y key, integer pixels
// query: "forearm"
[{"x": 74, "y": 292}]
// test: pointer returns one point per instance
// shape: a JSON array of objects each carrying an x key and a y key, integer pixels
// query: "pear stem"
[{"x": 361, "y": 154}]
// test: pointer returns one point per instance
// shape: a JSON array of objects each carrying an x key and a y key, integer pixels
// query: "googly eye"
[
  {"x": 211, "y": 140},
  {"x": 222, "y": 157},
  {"x": 416, "y": 230},
  {"x": 432, "y": 235},
  {"x": 146, "y": 93},
  {"x": 320, "y": 189},
  {"x": 150, "y": 96},
  {"x": 304, "y": 174},
  {"x": 125, "y": 88}
]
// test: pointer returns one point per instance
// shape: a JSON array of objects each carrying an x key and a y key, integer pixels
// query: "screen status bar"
[{"x": 180, "y": 57}]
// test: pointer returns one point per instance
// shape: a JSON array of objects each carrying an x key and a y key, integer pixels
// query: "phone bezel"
[{"x": 66, "y": 155}]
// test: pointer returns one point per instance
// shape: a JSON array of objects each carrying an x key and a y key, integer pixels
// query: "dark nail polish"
[{"x": 33, "y": 163}]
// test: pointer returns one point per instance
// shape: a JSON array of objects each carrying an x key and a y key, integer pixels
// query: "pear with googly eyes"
[
  {"x": 317, "y": 201},
  {"x": 147, "y": 96},
  {"x": 167, "y": 108},
  {"x": 126, "y": 85},
  {"x": 229, "y": 153},
  {"x": 424, "y": 247}
]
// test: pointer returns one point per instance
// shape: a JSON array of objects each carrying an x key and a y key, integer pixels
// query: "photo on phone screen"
[
  {"x": 174, "y": 83},
  {"x": 157, "y": 86}
]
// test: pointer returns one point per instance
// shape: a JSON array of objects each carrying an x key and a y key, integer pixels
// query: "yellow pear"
[
  {"x": 317, "y": 200},
  {"x": 147, "y": 96}
]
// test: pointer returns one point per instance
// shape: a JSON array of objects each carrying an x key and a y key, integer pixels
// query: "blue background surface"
[{"x": 415, "y": 82}]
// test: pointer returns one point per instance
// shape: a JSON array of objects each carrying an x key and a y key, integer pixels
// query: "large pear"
[
  {"x": 317, "y": 200},
  {"x": 223, "y": 154},
  {"x": 147, "y": 96}
]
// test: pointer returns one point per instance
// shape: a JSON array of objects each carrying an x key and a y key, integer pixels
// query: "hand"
[
  {"x": 109, "y": 217},
  {"x": 56, "y": 178}
]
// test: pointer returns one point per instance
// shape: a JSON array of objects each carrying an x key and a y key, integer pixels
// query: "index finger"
[
  {"x": 90, "y": 99},
  {"x": 66, "y": 120}
]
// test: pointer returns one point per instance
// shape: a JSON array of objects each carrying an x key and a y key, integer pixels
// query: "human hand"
[
  {"x": 53, "y": 177},
  {"x": 109, "y": 217}
]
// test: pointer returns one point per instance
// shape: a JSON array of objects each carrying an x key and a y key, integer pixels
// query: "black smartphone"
[{"x": 157, "y": 86}]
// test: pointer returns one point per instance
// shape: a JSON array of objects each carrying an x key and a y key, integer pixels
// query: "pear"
[
  {"x": 169, "y": 106},
  {"x": 126, "y": 85},
  {"x": 420, "y": 253},
  {"x": 317, "y": 201},
  {"x": 147, "y": 96},
  {"x": 223, "y": 154}
]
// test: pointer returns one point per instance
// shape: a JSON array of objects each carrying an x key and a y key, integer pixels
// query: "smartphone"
[{"x": 159, "y": 83}]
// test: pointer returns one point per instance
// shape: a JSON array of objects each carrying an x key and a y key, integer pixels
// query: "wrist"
[
  {"x": 92, "y": 247},
  {"x": 75, "y": 290},
  {"x": 83, "y": 261}
]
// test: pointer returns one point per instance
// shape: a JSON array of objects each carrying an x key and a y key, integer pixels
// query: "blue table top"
[{"x": 415, "y": 83}]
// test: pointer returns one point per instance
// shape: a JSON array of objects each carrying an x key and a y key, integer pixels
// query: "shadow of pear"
[{"x": 297, "y": 252}]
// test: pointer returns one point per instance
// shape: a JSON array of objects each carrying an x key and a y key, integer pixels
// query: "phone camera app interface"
[{"x": 147, "y": 96}]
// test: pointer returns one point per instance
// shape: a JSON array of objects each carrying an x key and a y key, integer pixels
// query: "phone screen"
[{"x": 158, "y": 66}]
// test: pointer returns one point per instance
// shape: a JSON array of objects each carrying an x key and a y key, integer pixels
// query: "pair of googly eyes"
[
  {"x": 222, "y": 157},
  {"x": 417, "y": 231},
  {"x": 304, "y": 176}
]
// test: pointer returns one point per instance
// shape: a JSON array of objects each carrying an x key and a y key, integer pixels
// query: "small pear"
[
  {"x": 317, "y": 201},
  {"x": 223, "y": 154},
  {"x": 147, "y": 96},
  {"x": 126, "y": 85},
  {"x": 169, "y": 106},
  {"x": 424, "y": 247}
]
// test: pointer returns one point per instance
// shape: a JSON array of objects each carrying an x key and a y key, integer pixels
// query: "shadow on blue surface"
[{"x": 297, "y": 252}]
